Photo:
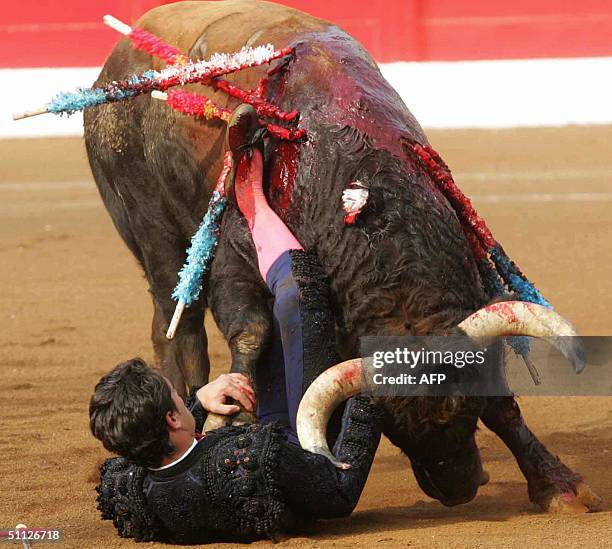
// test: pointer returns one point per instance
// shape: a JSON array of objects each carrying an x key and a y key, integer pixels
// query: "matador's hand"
[{"x": 213, "y": 396}]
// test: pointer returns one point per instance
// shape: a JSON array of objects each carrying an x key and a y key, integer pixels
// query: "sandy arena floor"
[{"x": 74, "y": 303}]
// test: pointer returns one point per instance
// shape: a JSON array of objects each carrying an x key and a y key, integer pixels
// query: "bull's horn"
[
  {"x": 325, "y": 393},
  {"x": 517, "y": 318}
]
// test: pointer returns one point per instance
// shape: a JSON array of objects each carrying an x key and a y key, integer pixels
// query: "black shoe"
[{"x": 244, "y": 133}]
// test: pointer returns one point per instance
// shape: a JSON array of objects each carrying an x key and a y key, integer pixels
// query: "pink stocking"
[{"x": 270, "y": 235}]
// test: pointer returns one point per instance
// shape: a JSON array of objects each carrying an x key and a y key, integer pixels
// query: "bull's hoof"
[
  {"x": 244, "y": 418},
  {"x": 583, "y": 501},
  {"x": 216, "y": 421}
]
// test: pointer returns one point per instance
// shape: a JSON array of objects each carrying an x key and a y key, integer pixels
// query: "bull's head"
[
  {"x": 404, "y": 267},
  {"x": 444, "y": 455}
]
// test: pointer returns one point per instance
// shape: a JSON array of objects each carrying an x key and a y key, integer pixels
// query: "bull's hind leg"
[
  {"x": 551, "y": 484},
  {"x": 184, "y": 359},
  {"x": 239, "y": 300},
  {"x": 161, "y": 253},
  {"x": 148, "y": 192}
]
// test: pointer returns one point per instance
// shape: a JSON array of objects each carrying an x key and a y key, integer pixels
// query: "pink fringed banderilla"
[
  {"x": 194, "y": 105},
  {"x": 262, "y": 107},
  {"x": 487, "y": 251},
  {"x": 145, "y": 41},
  {"x": 461, "y": 203},
  {"x": 153, "y": 45},
  {"x": 201, "y": 107}
]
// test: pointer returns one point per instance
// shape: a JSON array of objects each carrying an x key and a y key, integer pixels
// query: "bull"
[{"x": 406, "y": 268}]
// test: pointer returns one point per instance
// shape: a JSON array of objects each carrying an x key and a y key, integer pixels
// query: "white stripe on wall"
[
  {"x": 463, "y": 94},
  {"x": 504, "y": 94}
]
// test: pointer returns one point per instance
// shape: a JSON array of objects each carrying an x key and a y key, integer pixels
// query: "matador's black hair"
[{"x": 127, "y": 412}]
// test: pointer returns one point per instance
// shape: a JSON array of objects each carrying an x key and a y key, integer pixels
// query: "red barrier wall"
[{"x": 70, "y": 32}]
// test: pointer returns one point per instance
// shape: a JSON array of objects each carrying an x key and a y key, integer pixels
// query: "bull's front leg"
[
  {"x": 551, "y": 484},
  {"x": 241, "y": 304}
]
